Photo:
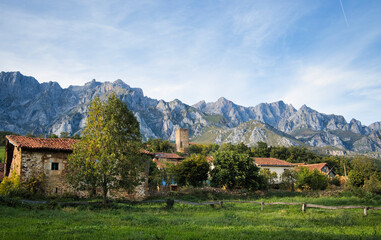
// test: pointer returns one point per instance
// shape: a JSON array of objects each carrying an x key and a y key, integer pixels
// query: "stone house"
[
  {"x": 32, "y": 157},
  {"x": 274, "y": 165}
]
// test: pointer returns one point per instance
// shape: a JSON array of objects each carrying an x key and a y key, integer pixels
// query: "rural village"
[{"x": 198, "y": 119}]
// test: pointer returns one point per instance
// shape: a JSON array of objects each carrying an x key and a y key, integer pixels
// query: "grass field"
[
  {"x": 2, "y": 154},
  {"x": 233, "y": 221}
]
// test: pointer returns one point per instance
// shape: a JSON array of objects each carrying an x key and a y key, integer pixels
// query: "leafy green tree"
[
  {"x": 313, "y": 180},
  {"x": 203, "y": 149},
  {"x": 154, "y": 176},
  {"x": 373, "y": 184},
  {"x": 192, "y": 171},
  {"x": 280, "y": 153},
  {"x": 261, "y": 150},
  {"x": 64, "y": 135},
  {"x": 53, "y": 136},
  {"x": 302, "y": 155},
  {"x": 2, "y": 136},
  {"x": 108, "y": 154},
  {"x": 159, "y": 145},
  {"x": 195, "y": 149},
  {"x": 29, "y": 135},
  {"x": 270, "y": 177},
  {"x": 362, "y": 169},
  {"x": 289, "y": 178},
  {"x": 235, "y": 170}
]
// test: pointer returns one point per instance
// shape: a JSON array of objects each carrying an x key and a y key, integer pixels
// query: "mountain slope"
[{"x": 28, "y": 106}]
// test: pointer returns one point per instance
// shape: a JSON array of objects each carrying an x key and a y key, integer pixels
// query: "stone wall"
[
  {"x": 31, "y": 164},
  {"x": 36, "y": 163},
  {"x": 182, "y": 140},
  {"x": 15, "y": 163}
]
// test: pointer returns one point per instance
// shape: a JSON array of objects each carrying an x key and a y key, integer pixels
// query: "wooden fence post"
[
  {"x": 221, "y": 202},
  {"x": 304, "y": 206},
  {"x": 365, "y": 209},
  {"x": 261, "y": 206}
]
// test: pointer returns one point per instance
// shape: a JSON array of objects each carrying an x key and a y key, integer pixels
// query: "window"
[{"x": 54, "y": 165}]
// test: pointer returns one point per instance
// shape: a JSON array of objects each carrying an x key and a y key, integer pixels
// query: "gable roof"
[
  {"x": 272, "y": 162},
  {"x": 61, "y": 144}
]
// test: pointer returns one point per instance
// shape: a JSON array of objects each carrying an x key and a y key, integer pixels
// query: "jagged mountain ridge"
[{"x": 28, "y": 106}]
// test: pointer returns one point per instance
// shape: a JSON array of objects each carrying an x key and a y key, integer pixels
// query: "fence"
[
  {"x": 171, "y": 202},
  {"x": 304, "y": 206}
]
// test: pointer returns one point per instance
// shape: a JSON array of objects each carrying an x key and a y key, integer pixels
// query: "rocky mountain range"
[{"x": 46, "y": 108}]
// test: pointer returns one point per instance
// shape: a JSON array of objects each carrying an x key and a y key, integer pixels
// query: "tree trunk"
[{"x": 105, "y": 190}]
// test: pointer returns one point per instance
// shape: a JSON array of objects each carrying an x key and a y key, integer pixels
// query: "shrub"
[
  {"x": 373, "y": 185},
  {"x": 314, "y": 180}
]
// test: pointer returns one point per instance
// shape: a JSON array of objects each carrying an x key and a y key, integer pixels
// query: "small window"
[{"x": 55, "y": 166}]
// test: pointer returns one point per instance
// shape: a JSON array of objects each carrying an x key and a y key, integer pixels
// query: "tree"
[
  {"x": 159, "y": 145},
  {"x": 270, "y": 177},
  {"x": 64, "y": 135},
  {"x": 313, "y": 180},
  {"x": 53, "y": 136},
  {"x": 289, "y": 178},
  {"x": 261, "y": 150},
  {"x": 362, "y": 169},
  {"x": 192, "y": 171},
  {"x": 108, "y": 154},
  {"x": 235, "y": 170}
]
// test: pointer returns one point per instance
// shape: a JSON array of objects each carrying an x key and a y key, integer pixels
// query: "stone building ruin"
[
  {"x": 32, "y": 157},
  {"x": 182, "y": 140}
]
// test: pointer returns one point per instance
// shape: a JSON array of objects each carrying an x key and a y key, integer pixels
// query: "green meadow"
[
  {"x": 232, "y": 221},
  {"x": 2, "y": 154}
]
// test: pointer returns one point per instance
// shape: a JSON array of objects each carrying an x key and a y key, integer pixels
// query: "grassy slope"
[
  {"x": 234, "y": 221},
  {"x": 2, "y": 153}
]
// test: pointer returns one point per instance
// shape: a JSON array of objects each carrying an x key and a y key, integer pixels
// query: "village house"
[
  {"x": 274, "y": 165},
  {"x": 33, "y": 157},
  {"x": 321, "y": 167}
]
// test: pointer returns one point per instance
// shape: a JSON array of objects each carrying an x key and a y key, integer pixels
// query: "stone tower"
[{"x": 182, "y": 140}]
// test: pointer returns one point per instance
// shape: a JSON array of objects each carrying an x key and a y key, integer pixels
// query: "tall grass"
[{"x": 154, "y": 221}]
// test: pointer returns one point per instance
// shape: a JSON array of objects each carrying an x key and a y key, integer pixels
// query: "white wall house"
[{"x": 274, "y": 165}]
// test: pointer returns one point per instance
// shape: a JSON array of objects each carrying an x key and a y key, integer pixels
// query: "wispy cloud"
[{"x": 247, "y": 51}]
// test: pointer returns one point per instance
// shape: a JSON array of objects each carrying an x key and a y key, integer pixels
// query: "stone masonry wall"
[
  {"x": 16, "y": 162},
  {"x": 35, "y": 163},
  {"x": 182, "y": 140}
]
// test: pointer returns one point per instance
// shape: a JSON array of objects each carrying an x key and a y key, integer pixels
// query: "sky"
[{"x": 323, "y": 53}]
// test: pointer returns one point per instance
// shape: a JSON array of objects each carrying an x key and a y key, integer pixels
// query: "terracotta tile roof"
[
  {"x": 143, "y": 151},
  {"x": 168, "y": 155},
  {"x": 1, "y": 171},
  {"x": 162, "y": 164},
  {"x": 272, "y": 162},
  {"x": 63, "y": 144},
  {"x": 312, "y": 167}
]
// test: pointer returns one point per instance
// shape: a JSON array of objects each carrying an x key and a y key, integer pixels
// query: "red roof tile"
[
  {"x": 272, "y": 162},
  {"x": 317, "y": 166},
  {"x": 64, "y": 144},
  {"x": 163, "y": 164},
  {"x": 168, "y": 155}
]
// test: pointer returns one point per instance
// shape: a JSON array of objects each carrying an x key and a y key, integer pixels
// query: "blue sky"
[{"x": 324, "y": 54}]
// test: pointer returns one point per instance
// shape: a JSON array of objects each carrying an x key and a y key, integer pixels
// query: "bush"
[
  {"x": 314, "y": 180},
  {"x": 373, "y": 185},
  {"x": 13, "y": 187}
]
